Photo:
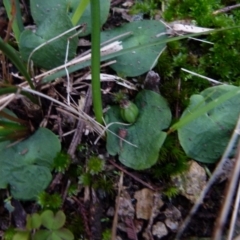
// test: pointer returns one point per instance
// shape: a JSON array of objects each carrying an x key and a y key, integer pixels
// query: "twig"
[
  {"x": 215, "y": 175},
  {"x": 106, "y": 129},
  {"x": 95, "y": 125},
  {"x": 230, "y": 191},
  {"x": 9, "y": 99},
  {"x": 177, "y": 111},
  {"x": 234, "y": 215},
  {"x": 115, "y": 219},
  {"x": 79, "y": 131},
  {"x": 45, "y": 120},
  {"x": 57, "y": 179},
  {"x": 67, "y": 74},
  {"x": 131, "y": 175},
  {"x": 66, "y": 69},
  {"x": 111, "y": 48},
  {"x": 201, "y": 76},
  {"x": 180, "y": 29},
  {"x": 226, "y": 9},
  {"x": 65, "y": 193},
  {"x": 95, "y": 213}
]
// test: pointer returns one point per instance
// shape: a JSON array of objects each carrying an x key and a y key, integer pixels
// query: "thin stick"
[
  {"x": 109, "y": 42},
  {"x": 177, "y": 111},
  {"x": 215, "y": 175},
  {"x": 201, "y": 76},
  {"x": 131, "y": 175},
  {"x": 67, "y": 74},
  {"x": 66, "y": 69},
  {"x": 12, "y": 96},
  {"x": 77, "y": 137},
  {"x": 96, "y": 126},
  {"x": 115, "y": 219},
  {"x": 106, "y": 129},
  {"x": 231, "y": 187},
  {"x": 226, "y": 9},
  {"x": 234, "y": 215},
  {"x": 114, "y": 47}
]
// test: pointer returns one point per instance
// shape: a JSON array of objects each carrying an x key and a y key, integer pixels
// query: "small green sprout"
[
  {"x": 61, "y": 162},
  {"x": 95, "y": 165},
  {"x": 48, "y": 201}
]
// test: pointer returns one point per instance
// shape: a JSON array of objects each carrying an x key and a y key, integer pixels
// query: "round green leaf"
[
  {"x": 64, "y": 234},
  {"x": 51, "y": 221},
  {"x": 34, "y": 221},
  {"x": 40, "y": 9},
  {"x": 42, "y": 235},
  {"x": 205, "y": 138},
  {"x": 24, "y": 235},
  {"x": 86, "y": 17},
  {"x": 52, "y": 54},
  {"x": 26, "y": 166},
  {"x": 28, "y": 181},
  {"x": 140, "y": 61},
  {"x": 145, "y": 134}
]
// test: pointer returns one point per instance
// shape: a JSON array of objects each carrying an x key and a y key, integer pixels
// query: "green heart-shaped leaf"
[
  {"x": 26, "y": 166},
  {"x": 52, "y": 54},
  {"x": 51, "y": 221},
  {"x": 145, "y": 135},
  {"x": 205, "y": 138},
  {"x": 140, "y": 61}
]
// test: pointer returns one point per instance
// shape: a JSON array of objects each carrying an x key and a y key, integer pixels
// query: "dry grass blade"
[
  {"x": 79, "y": 131},
  {"x": 115, "y": 219},
  {"x": 226, "y": 9},
  {"x": 211, "y": 181},
  {"x": 111, "y": 48},
  {"x": 234, "y": 215},
  {"x": 230, "y": 191},
  {"x": 77, "y": 112},
  {"x": 201, "y": 76}
]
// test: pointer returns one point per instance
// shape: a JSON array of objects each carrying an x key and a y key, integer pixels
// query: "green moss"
[
  {"x": 85, "y": 179},
  {"x": 171, "y": 192},
  {"x": 104, "y": 183},
  {"x": 220, "y": 60},
  {"x": 73, "y": 190},
  {"x": 95, "y": 165},
  {"x": 172, "y": 159},
  {"x": 107, "y": 234},
  {"x": 49, "y": 201},
  {"x": 61, "y": 162},
  {"x": 185, "y": 9},
  {"x": 9, "y": 233},
  {"x": 95, "y": 176},
  {"x": 146, "y": 7}
]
